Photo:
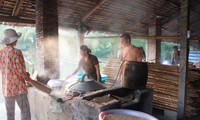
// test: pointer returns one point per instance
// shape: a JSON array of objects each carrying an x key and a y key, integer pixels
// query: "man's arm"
[{"x": 172, "y": 58}]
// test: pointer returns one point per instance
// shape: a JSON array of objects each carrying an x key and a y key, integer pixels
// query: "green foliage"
[
  {"x": 103, "y": 48},
  {"x": 139, "y": 43}
]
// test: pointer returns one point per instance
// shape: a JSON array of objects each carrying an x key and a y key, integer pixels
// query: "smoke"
[
  {"x": 58, "y": 57},
  {"x": 48, "y": 57},
  {"x": 69, "y": 51}
]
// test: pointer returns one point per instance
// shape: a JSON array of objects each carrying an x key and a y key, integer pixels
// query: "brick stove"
[{"x": 87, "y": 106}]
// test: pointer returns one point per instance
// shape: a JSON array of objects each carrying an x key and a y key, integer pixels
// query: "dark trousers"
[{"x": 22, "y": 101}]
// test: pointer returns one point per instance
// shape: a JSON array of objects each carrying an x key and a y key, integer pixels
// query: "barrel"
[{"x": 134, "y": 75}]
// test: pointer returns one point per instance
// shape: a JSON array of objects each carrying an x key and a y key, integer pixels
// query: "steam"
[
  {"x": 48, "y": 57},
  {"x": 60, "y": 65}
]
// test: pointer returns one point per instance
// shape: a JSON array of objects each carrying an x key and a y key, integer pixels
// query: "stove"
[{"x": 121, "y": 98}]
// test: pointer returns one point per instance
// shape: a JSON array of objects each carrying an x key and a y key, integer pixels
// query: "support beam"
[
  {"x": 13, "y": 19},
  {"x": 92, "y": 10},
  {"x": 17, "y": 7},
  {"x": 146, "y": 37},
  {"x": 184, "y": 51}
]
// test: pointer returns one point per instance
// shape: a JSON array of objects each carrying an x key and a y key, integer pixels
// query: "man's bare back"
[{"x": 132, "y": 53}]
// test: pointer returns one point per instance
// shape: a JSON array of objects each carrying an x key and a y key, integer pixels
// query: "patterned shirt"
[{"x": 13, "y": 72}]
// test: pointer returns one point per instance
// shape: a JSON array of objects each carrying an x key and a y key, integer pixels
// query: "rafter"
[
  {"x": 92, "y": 10},
  {"x": 175, "y": 15},
  {"x": 167, "y": 2},
  {"x": 17, "y": 7},
  {"x": 159, "y": 9},
  {"x": 16, "y": 20}
]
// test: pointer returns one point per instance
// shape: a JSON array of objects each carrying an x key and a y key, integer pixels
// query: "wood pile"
[
  {"x": 111, "y": 69},
  {"x": 164, "y": 81}
]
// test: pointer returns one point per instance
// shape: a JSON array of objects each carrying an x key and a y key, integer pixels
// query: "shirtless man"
[
  {"x": 131, "y": 57},
  {"x": 129, "y": 52}
]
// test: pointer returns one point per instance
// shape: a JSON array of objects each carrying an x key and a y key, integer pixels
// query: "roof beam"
[
  {"x": 92, "y": 10},
  {"x": 146, "y": 37},
  {"x": 15, "y": 20},
  {"x": 17, "y": 7},
  {"x": 167, "y": 2},
  {"x": 61, "y": 25},
  {"x": 175, "y": 15},
  {"x": 159, "y": 9}
]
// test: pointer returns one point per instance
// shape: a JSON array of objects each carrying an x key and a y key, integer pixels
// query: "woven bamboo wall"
[{"x": 164, "y": 80}]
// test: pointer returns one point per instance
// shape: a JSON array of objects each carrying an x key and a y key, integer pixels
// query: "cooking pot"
[{"x": 84, "y": 85}]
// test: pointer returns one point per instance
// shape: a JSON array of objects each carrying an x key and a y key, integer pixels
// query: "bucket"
[
  {"x": 132, "y": 113},
  {"x": 103, "y": 78},
  {"x": 134, "y": 75}
]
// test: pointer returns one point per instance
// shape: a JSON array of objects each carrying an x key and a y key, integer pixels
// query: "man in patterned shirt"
[{"x": 12, "y": 68}]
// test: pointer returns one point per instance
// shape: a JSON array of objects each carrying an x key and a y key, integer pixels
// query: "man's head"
[
  {"x": 10, "y": 37},
  {"x": 175, "y": 47},
  {"x": 125, "y": 39}
]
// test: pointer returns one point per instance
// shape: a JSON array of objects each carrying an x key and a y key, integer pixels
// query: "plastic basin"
[
  {"x": 103, "y": 77},
  {"x": 133, "y": 113}
]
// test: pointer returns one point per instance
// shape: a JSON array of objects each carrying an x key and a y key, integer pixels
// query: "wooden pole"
[
  {"x": 184, "y": 48},
  {"x": 158, "y": 41},
  {"x": 80, "y": 37}
]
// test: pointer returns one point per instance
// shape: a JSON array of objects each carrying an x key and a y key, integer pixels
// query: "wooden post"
[
  {"x": 80, "y": 37},
  {"x": 184, "y": 47},
  {"x": 158, "y": 41},
  {"x": 151, "y": 45}
]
